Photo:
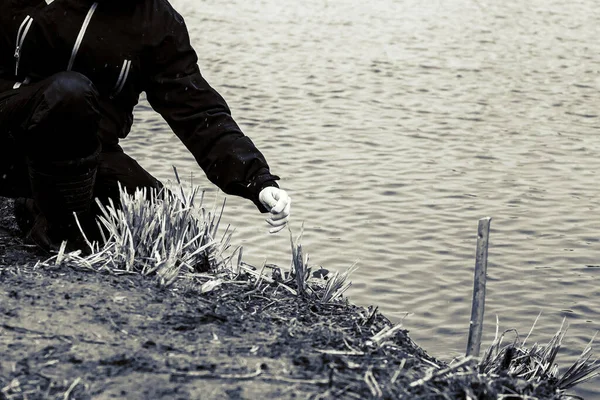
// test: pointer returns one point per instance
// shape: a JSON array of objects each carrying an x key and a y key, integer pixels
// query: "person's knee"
[
  {"x": 64, "y": 123},
  {"x": 71, "y": 92}
]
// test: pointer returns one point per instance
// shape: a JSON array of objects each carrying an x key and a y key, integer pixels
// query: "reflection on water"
[{"x": 396, "y": 125}]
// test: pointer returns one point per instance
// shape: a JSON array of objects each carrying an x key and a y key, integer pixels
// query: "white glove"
[{"x": 278, "y": 203}]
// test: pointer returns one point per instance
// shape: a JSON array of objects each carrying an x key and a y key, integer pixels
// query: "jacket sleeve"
[{"x": 200, "y": 117}]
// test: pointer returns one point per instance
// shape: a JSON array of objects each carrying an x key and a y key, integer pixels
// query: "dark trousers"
[{"x": 56, "y": 119}]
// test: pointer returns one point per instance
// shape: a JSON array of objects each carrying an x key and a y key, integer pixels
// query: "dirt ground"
[
  {"x": 122, "y": 337},
  {"x": 71, "y": 334},
  {"x": 67, "y": 333}
]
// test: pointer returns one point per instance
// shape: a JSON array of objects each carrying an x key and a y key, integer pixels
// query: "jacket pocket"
[
  {"x": 123, "y": 75},
  {"x": 21, "y": 34}
]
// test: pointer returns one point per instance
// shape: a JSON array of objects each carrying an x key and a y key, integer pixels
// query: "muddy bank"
[
  {"x": 67, "y": 333},
  {"x": 108, "y": 336},
  {"x": 122, "y": 337}
]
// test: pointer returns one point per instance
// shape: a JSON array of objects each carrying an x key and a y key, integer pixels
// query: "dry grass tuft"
[
  {"x": 537, "y": 363},
  {"x": 156, "y": 233},
  {"x": 327, "y": 290},
  {"x": 167, "y": 235},
  {"x": 300, "y": 271}
]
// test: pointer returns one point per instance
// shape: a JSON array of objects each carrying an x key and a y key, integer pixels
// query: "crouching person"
[
  {"x": 67, "y": 94},
  {"x": 53, "y": 162}
]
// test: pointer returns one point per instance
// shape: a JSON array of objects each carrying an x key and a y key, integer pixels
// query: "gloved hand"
[{"x": 278, "y": 203}]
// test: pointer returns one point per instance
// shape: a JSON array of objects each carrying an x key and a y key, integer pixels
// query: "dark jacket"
[{"x": 127, "y": 47}]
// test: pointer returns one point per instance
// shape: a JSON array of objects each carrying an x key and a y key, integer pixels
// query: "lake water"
[{"x": 396, "y": 125}]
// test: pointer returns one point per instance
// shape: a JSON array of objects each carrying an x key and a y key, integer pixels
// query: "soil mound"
[{"x": 67, "y": 333}]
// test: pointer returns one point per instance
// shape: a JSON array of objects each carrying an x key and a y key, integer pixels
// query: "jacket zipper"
[
  {"x": 122, "y": 78},
  {"x": 86, "y": 23},
  {"x": 21, "y": 34}
]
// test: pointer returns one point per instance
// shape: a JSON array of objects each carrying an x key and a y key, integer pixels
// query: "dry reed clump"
[
  {"x": 172, "y": 238},
  {"x": 167, "y": 235},
  {"x": 538, "y": 363},
  {"x": 156, "y": 233}
]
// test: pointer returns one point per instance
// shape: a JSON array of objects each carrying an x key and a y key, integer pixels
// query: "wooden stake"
[{"x": 477, "y": 309}]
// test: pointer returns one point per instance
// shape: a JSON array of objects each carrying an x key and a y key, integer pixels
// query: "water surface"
[{"x": 395, "y": 126}]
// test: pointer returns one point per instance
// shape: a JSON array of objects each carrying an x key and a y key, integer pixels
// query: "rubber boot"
[{"x": 62, "y": 190}]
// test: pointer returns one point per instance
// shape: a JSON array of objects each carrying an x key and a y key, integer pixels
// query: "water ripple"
[{"x": 395, "y": 126}]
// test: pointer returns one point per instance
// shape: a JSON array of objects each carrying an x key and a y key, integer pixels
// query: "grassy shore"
[{"x": 167, "y": 308}]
